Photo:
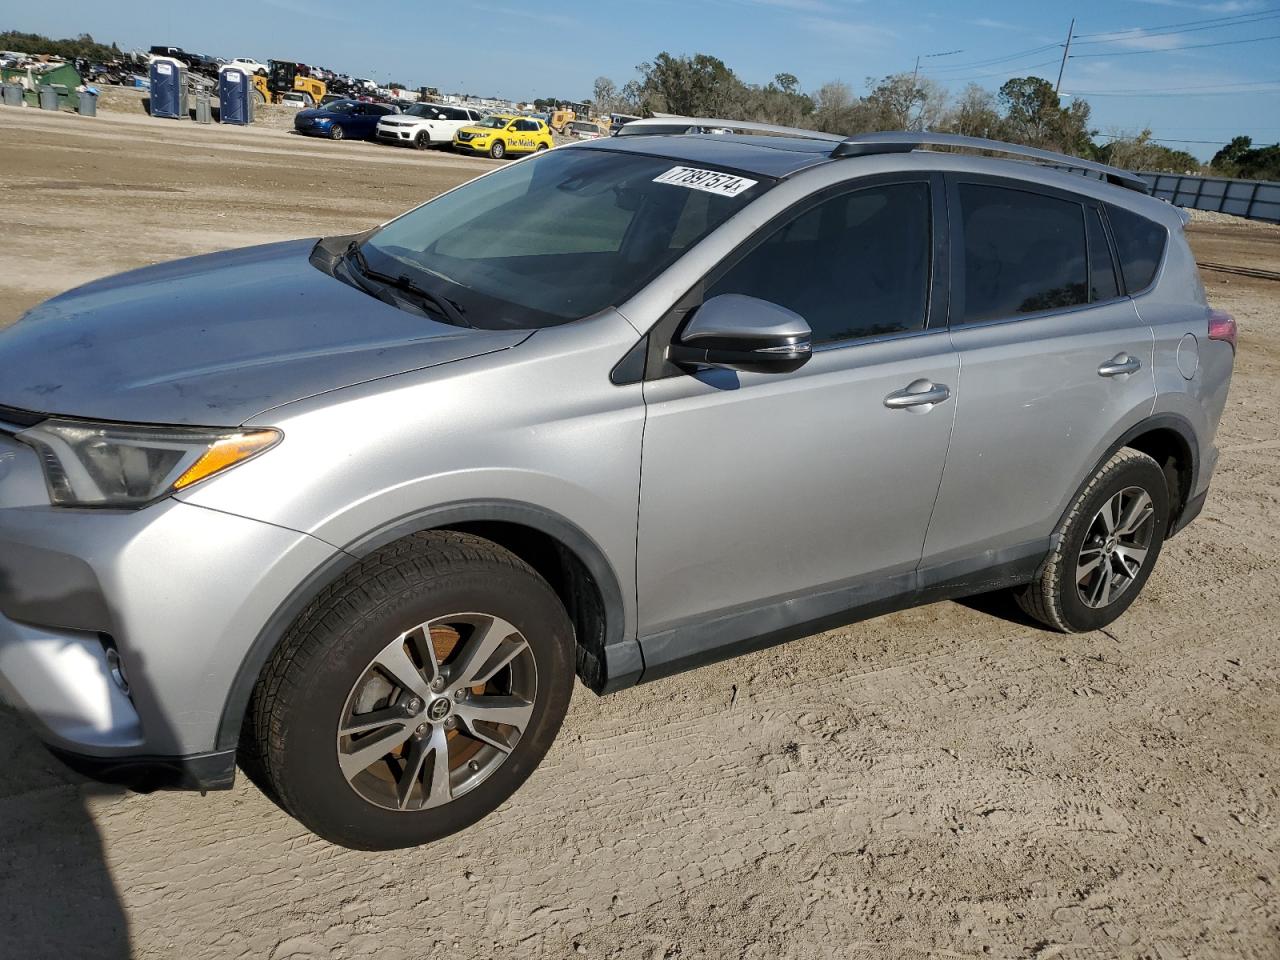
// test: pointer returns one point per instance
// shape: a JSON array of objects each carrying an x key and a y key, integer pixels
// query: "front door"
[{"x": 768, "y": 497}]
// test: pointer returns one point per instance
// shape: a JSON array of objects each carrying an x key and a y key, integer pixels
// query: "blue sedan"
[{"x": 342, "y": 120}]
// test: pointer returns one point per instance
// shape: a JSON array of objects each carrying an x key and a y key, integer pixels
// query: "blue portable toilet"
[
  {"x": 168, "y": 88},
  {"x": 235, "y": 95}
]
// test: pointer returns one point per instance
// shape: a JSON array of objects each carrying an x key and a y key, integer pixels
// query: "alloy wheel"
[
  {"x": 1115, "y": 547},
  {"x": 438, "y": 710}
]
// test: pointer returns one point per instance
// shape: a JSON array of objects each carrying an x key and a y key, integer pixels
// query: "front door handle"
[
  {"x": 1119, "y": 365},
  {"x": 918, "y": 393}
]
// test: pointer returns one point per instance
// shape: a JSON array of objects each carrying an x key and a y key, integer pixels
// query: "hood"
[
  {"x": 314, "y": 113},
  {"x": 216, "y": 339}
]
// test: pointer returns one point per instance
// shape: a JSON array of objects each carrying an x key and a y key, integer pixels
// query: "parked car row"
[{"x": 424, "y": 125}]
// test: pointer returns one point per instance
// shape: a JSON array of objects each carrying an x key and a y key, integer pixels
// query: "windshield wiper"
[{"x": 439, "y": 305}]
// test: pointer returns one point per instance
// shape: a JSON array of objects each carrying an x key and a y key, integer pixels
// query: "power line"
[
  {"x": 1183, "y": 96},
  {"x": 1189, "y": 46},
  {"x": 1195, "y": 87},
  {"x": 1184, "y": 23},
  {"x": 1000, "y": 73},
  {"x": 995, "y": 60},
  {"x": 1139, "y": 33}
]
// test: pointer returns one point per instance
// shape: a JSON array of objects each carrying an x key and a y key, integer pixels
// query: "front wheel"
[
  {"x": 422, "y": 140},
  {"x": 1106, "y": 547},
  {"x": 336, "y": 132},
  {"x": 498, "y": 150},
  {"x": 415, "y": 696}
]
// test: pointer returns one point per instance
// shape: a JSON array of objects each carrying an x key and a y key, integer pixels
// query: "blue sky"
[{"x": 1134, "y": 73}]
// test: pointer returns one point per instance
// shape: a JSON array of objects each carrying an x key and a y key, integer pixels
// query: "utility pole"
[{"x": 1065, "y": 51}]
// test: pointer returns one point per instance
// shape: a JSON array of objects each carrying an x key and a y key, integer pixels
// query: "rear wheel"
[
  {"x": 336, "y": 132},
  {"x": 541, "y": 147},
  {"x": 498, "y": 150},
  {"x": 415, "y": 695},
  {"x": 1106, "y": 547}
]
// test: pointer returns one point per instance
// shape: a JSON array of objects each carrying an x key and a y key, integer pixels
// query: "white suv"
[
  {"x": 426, "y": 124},
  {"x": 249, "y": 66}
]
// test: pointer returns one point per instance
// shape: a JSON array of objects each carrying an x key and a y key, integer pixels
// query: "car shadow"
[
  {"x": 1000, "y": 604},
  {"x": 57, "y": 898}
]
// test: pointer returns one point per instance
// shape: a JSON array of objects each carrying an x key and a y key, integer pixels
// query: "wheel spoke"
[
  {"x": 1101, "y": 591},
  {"x": 1108, "y": 514},
  {"x": 1131, "y": 558},
  {"x": 509, "y": 710},
  {"x": 370, "y": 750},
  {"x": 374, "y": 720},
  {"x": 494, "y": 739},
  {"x": 395, "y": 661},
  {"x": 1087, "y": 567},
  {"x": 419, "y": 638},
  {"x": 1136, "y": 514},
  {"x": 441, "y": 790},
  {"x": 492, "y": 645},
  {"x": 414, "y": 761}
]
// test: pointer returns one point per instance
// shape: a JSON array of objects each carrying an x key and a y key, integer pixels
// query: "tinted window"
[
  {"x": 1140, "y": 244},
  {"x": 1023, "y": 252},
  {"x": 553, "y": 238},
  {"x": 856, "y": 265},
  {"x": 1102, "y": 272}
]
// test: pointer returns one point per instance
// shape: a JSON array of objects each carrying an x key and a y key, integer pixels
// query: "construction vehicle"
[{"x": 284, "y": 76}]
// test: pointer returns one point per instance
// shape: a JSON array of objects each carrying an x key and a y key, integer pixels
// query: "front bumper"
[
  {"x": 481, "y": 146},
  {"x": 396, "y": 135},
  {"x": 179, "y": 592}
]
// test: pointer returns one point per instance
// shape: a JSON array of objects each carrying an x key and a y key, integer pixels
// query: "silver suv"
[{"x": 353, "y": 513}]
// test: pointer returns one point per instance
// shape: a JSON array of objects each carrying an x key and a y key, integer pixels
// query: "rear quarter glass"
[{"x": 1140, "y": 243}]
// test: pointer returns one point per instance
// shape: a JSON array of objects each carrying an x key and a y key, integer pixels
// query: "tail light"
[{"x": 1222, "y": 326}]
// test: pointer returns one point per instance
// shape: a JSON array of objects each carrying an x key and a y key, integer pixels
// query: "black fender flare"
[
  {"x": 511, "y": 511},
  {"x": 1160, "y": 421}
]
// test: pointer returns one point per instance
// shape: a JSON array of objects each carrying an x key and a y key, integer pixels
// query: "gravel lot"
[{"x": 948, "y": 781}]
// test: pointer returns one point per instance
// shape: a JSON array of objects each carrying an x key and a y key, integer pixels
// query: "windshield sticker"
[{"x": 711, "y": 181}]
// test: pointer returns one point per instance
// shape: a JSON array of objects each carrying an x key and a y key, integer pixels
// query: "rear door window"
[
  {"x": 1140, "y": 243},
  {"x": 1024, "y": 253}
]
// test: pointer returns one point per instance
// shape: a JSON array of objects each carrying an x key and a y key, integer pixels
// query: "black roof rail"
[
  {"x": 903, "y": 141},
  {"x": 674, "y": 124}
]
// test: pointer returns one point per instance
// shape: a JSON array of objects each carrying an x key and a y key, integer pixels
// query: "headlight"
[{"x": 113, "y": 465}]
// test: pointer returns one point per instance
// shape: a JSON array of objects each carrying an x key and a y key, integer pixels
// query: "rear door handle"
[
  {"x": 1119, "y": 365},
  {"x": 918, "y": 393}
]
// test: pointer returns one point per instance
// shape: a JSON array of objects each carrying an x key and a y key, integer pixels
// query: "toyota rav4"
[{"x": 353, "y": 513}]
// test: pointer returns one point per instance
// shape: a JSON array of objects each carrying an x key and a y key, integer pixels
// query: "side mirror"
[{"x": 743, "y": 333}]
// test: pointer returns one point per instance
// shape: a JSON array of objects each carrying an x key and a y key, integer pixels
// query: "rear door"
[
  {"x": 782, "y": 493},
  {"x": 1054, "y": 364}
]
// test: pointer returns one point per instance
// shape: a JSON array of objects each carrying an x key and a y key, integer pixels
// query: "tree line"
[
  {"x": 83, "y": 46},
  {"x": 1023, "y": 110}
]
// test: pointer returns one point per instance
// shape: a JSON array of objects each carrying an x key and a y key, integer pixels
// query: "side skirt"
[{"x": 692, "y": 645}]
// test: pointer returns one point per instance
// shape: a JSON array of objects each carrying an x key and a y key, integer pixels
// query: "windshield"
[
  {"x": 421, "y": 110},
  {"x": 341, "y": 106},
  {"x": 496, "y": 123},
  {"x": 556, "y": 237}
]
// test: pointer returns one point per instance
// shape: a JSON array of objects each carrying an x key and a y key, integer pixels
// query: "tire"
[
  {"x": 1090, "y": 577},
  {"x": 328, "y": 672},
  {"x": 336, "y": 132},
  {"x": 422, "y": 141},
  {"x": 497, "y": 150},
  {"x": 257, "y": 95},
  {"x": 541, "y": 147}
]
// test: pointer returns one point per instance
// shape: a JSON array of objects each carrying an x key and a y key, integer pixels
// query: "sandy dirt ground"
[{"x": 945, "y": 782}]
